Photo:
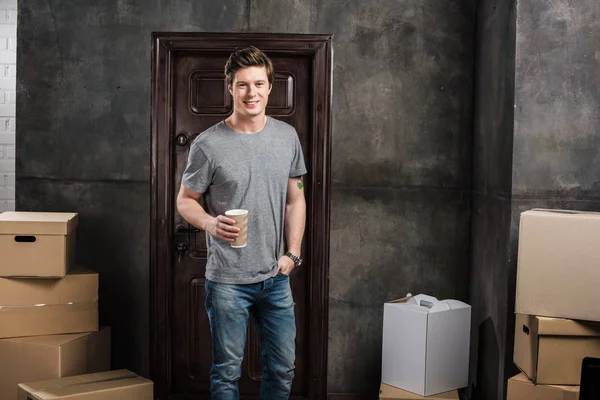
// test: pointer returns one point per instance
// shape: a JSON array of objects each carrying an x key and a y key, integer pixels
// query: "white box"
[{"x": 426, "y": 344}]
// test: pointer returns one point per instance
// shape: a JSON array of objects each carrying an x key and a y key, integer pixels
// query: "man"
[{"x": 254, "y": 162}]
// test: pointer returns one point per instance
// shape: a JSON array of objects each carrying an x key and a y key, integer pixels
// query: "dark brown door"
[{"x": 199, "y": 99}]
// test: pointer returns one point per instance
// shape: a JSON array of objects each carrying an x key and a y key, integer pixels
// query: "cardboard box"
[
  {"x": 119, "y": 384},
  {"x": 387, "y": 392},
  {"x": 49, "y": 357},
  {"x": 550, "y": 350},
  {"x": 34, "y": 307},
  {"x": 559, "y": 264},
  {"x": 426, "y": 344},
  {"x": 37, "y": 244},
  {"x": 521, "y": 388}
]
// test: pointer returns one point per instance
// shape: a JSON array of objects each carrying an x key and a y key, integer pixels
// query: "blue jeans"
[{"x": 271, "y": 307}]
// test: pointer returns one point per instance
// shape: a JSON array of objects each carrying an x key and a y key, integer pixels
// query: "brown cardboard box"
[
  {"x": 387, "y": 392},
  {"x": 37, "y": 358},
  {"x": 37, "y": 244},
  {"x": 559, "y": 264},
  {"x": 33, "y": 307},
  {"x": 119, "y": 385},
  {"x": 550, "y": 350},
  {"x": 521, "y": 388}
]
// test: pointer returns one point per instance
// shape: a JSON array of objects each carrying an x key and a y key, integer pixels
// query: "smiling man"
[{"x": 254, "y": 162}]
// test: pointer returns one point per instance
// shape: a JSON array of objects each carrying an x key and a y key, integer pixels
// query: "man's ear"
[
  {"x": 230, "y": 89},
  {"x": 270, "y": 87}
]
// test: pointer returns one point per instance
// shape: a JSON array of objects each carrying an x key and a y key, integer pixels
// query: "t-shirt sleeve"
[
  {"x": 298, "y": 168},
  {"x": 198, "y": 172}
]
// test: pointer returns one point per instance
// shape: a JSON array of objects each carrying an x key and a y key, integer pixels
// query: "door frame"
[{"x": 164, "y": 45}]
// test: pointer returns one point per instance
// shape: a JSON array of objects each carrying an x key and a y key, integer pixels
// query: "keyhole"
[{"x": 181, "y": 139}]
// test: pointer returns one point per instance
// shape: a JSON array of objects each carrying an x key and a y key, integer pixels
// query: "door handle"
[{"x": 180, "y": 249}]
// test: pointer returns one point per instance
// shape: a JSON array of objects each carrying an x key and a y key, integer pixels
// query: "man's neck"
[{"x": 246, "y": 124}]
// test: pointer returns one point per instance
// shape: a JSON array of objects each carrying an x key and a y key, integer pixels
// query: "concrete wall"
[
  {"x": 557, "y": 106},
  {"x": 8, "y": 74},
  {"x": 401, "y": 167},
  {"x": 536, "y": 144},
  {"x": 402, "y": 121},
  {"x": 556, "y": 156},
  {"x": 492, "y": 189}
]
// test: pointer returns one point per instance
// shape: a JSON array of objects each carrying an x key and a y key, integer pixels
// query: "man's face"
[{"x": 250, "y": 90}]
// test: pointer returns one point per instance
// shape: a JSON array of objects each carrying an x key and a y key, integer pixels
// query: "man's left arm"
[{"x": 295, "y": 221}]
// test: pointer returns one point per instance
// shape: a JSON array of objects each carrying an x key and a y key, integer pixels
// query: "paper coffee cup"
[{"x": 241, "y": 221}]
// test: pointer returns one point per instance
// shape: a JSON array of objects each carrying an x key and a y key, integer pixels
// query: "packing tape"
[{"x": 47, "y": 305}]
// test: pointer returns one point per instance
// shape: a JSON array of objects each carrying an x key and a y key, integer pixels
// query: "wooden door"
[
  {"x": 196, "y": 97},
  {"x": 201, "y": 100}
]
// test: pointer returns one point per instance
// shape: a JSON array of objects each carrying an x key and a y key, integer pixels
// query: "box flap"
[
  {"x": 81, "y": 384},
  {"x": 419, "y": 303},
  {"x": 522, "y": 378},
  {"x": 402, "y": 300},
  {"x": 521, "y": 388},
  {"x": 566, "y": 327},
  {"x": 37, "y": 223},
  {"x": 87, "y": 354},
  {"x": 387, "y": 392},
  {"x": 80, "y": 380},
  {"x": 48, "y": 340},
  {"x": 413, "y": 303},
  {"x": 92, "y": 387},
  {"x": 428, "y": 304},
  {"x": 447, "y": 305},
  {"x": 54, "y": 340}
]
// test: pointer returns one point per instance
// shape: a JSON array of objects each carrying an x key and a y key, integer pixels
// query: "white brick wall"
[{"x": 8, "y": 84}]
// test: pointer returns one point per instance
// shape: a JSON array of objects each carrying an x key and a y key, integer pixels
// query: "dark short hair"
[{"x": 248, "y": 57}]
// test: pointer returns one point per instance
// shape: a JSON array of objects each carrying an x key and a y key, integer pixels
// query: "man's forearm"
[
  {"x": 295, "y": 220},
  {"x": 193, "y": 213}
]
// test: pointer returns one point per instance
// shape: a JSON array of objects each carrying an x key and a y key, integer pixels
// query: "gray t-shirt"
[{"x": 248, "y": 171}]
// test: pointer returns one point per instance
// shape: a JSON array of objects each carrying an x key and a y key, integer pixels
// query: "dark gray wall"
[
  {"x": 536, "y": 148},
  {"x": 402, "y": 120},
  {"x": 492, "y": 188},
  {"x": 556, "y": 157},
  {"x": 401, "y": 168},
  {"x": 557, "y": 106}
]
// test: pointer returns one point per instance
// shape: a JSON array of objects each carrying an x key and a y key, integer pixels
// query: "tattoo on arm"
[{"x": 300, "y": 183}]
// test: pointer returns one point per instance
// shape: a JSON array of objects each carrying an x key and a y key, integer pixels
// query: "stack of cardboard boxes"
[
  {"x": 557, "y": 320},
  {"x": 425, "y": 348},
  {"x": 49, "y": 313}
]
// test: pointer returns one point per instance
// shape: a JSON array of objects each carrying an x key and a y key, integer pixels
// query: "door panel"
[{"x": 200, "y": 100}]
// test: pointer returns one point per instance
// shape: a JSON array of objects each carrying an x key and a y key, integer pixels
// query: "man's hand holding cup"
[{"x": 224, "y": 228}]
